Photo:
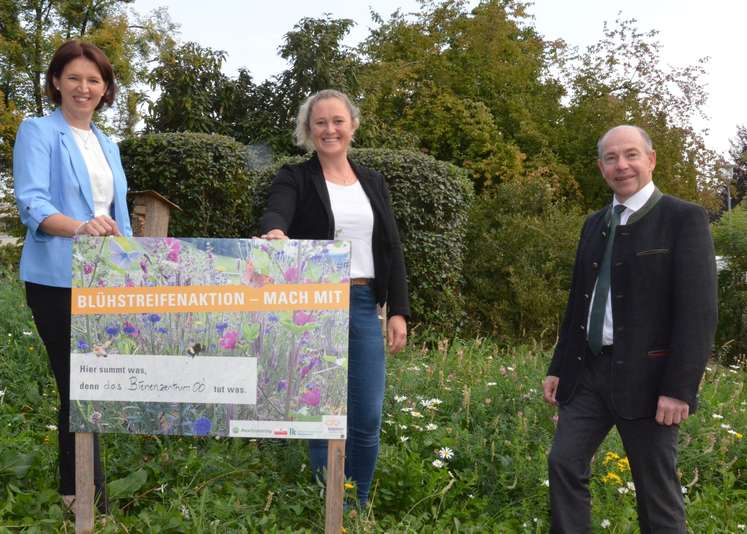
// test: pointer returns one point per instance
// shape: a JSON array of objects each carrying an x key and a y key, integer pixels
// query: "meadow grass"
[{"x": 464, "y": 446}]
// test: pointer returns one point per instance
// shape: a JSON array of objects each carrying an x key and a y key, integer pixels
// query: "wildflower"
[
  {"x": 220, "y": 327},
  {"x": 431, "y": 426},
  {"x": 403, "y": 427},
  {"x": 406, "y": 409},
  {"x": 349, "y": 485},
  {"x": 130, "y": 329},
  {"x": 27, "y": 333},
  {"x": 88, "y": 267},
  {"x": 312, "y": 397},
  {"x": 389, "y": 422},
  {"x": 185, "y": 511},
  {"x": 492, "y": 384},
  {"x": 741, "y": 527},
  {"x": 717, "y": 416},
  {"x": 684, "y": 490},
  {"x": 400, "y": 398},
  {"x": 202, "y": 426},
  {"x": 623, "y": 490},
  {"x": 51, "y": 427},
  {"x": 725, "y": 426},
  {"x": 82, "y": 345},
  {"x": 630, "y": 486},
  {"x": 174, "y": 248},
  {"x": 229, "y": 340},
  {"x": 623, "y": 464},
  {"x": 112, "y": 330},
  {"x": 611, "y": 457},
  {"x": 418, "y": 428},
  {"x": 709, "y": 369},
  {"x": 438, "y": 464},
  {"x": 404, "y": 438},
  {"x": 605, "y": 523},
  {"x": 154, "y": 318},
  {"x": 96, "y": 418},
  {"x": 2, "y": 393},
  {"x": 416, "y": 414},
  {"x": 301, "y": 318},
  {"x": 546, "y": 483},
  {"x": 445, "y": 453},
  {"x": 611, "y": 477}
]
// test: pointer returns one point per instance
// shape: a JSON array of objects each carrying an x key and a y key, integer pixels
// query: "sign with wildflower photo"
[{"x": 223, "y": 337}]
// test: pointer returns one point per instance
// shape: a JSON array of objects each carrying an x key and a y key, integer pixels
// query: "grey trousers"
[{"x": 651, "y": 448}]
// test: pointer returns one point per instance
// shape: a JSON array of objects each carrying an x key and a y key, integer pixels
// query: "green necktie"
[{"x": 599, "y": 305}]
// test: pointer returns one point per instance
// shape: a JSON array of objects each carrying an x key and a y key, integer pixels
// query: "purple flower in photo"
[
  {"x": 220, "y": 328},
  {"x": 272, "y": 318},
  {"x": 161, "y": 330},
  {"x": 311, "y": 397},
  {"x": 88, "y": 267},
  {"x": 112, "y": 330},
  {"x": 202, "y": 426},
  {"x": 282, "y": 385},
  {"x": 300, "y": 318},
  {"x": 307, "y": 368},
  {"x": 291, "y": 275},
  {"x": 96, "y": 418},
  {"x": 82, "y": 345},
  {"x": 130, "y": 329},
  {"x": 229, "y": 340},
  {"x": 144, "y": 266},
  {"x": 154, "y": 318}
]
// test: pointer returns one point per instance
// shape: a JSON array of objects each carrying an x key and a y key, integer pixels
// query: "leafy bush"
[
  {"x": 520, "y": 251},
  {"x": 730, "y": 240},
  {"x": 431, "y": 201},
  {"x": 204, "y": 174}
]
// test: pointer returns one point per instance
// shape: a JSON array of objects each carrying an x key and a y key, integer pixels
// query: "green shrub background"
[{"x": 204, "y": 174}]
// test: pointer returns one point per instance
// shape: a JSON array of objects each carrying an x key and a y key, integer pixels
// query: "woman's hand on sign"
[
  {"x": 396, "y": 333},
  {"x": 275, "y": 233}
]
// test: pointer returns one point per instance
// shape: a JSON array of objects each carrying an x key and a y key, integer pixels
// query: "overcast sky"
[{"x": 250, "y": 32}]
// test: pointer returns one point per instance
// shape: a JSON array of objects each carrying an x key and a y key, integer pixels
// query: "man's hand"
[
  {"x": 549, "y": 388},
  {"x": 396, "y": 334},
  {"x": 671, "y": 411}
]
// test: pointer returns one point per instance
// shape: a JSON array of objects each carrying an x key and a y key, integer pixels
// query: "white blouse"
[
  {"x": 102, "y": 179},
  {"x": 354, "y": 222}
]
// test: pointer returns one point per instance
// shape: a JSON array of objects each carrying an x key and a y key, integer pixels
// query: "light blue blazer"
[{"x": 51, "y": 177}]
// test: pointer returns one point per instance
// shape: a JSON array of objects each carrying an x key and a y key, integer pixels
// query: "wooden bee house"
[{"x": 150, "y": 214}]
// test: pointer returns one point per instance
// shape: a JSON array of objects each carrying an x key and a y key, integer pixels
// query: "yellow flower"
[
  {"x": 610, "y": 457},
  {"x": 611, "y": 477},
  {"x": 623, "y": 464},
  {"x": 348, "y": 485},
  {"x": 738, "y": 435}
]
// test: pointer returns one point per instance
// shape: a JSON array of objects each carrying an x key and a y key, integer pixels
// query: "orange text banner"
[{"x": 226, "y": 298}]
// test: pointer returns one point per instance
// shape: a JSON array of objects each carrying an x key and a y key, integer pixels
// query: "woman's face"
[
  {"x": 331, "y": 127},
  {"x": 81, "y": 86}
]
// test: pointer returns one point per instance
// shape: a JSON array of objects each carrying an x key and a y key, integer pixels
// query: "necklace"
[{"x": 85, "y": 139}]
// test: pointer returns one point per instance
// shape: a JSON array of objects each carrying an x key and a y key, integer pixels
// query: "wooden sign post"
[{"x": 245, "y": 283}]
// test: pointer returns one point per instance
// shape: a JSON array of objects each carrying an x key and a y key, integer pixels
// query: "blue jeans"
[{"x": 366, "y": 379}]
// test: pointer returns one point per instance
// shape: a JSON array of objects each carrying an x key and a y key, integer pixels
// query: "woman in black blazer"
[{"x": 329, "y": 197}]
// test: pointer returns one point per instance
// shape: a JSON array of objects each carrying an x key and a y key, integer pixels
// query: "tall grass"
[{"x": 464, "y": 445}]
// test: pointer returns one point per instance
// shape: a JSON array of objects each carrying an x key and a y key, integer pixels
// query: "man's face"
[{"x": 626, "y": 164}]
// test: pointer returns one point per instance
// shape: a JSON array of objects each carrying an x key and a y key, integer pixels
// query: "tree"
[
  {"x": 620, "y": 80},
  {"x": 193, "y": 90},
  {"x": 738, "y": 155}
]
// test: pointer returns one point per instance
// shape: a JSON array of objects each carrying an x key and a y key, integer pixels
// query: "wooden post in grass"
[
  {"x": 150, "y": 218},
  {"x": 335, "y": 486},
  {"x": 84, "y": 492}
]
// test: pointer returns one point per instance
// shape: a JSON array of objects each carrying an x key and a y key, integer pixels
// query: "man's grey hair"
[
  {"x": 302, "y": 133},
  {"x": 644, "y": 135}
]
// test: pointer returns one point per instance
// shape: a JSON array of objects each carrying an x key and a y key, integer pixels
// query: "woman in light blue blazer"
[{"x": 69, "y": 181}]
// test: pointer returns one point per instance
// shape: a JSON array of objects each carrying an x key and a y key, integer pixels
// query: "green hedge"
[
  {"x": 521, "y": 248},
  {"x": 431, "y": 201},
  {"x": 204, "y": 174}
]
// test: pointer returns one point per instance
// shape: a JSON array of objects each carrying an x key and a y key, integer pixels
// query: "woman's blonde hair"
[{"x": 302, "y": 133}]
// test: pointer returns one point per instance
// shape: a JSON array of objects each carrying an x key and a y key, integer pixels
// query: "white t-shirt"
[
  {"x": 102, "y": 179},
  {"x": 354, "y": 222}
]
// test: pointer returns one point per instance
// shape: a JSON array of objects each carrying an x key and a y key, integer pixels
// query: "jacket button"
[
  {"x": 579, "y": 358},
  {"x": 595, "y": 265},
  {"x": 618, "y": 264},
  {"x": 604, "y": 234},
  {"x": 586, "y": 295},
  {"x": 582, "y": 327}
]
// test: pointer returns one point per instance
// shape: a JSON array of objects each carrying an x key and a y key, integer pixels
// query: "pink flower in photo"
[
  {"x": 291, "y": 275},
  {"x": 229, "y": 339},
  {"x": 88, "y": 267},
  {"x": 300, "y": 318},
  {"x": 175, "y": 247},
  {"x": 311, "y": 397}
]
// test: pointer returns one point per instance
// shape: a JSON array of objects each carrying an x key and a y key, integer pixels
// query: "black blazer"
[
  {"x": 664, "y": 307},
  {"x": 299, "y": 205}
]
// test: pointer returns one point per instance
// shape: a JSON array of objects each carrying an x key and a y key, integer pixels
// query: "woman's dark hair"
[{"x": 73, "y": 49}]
